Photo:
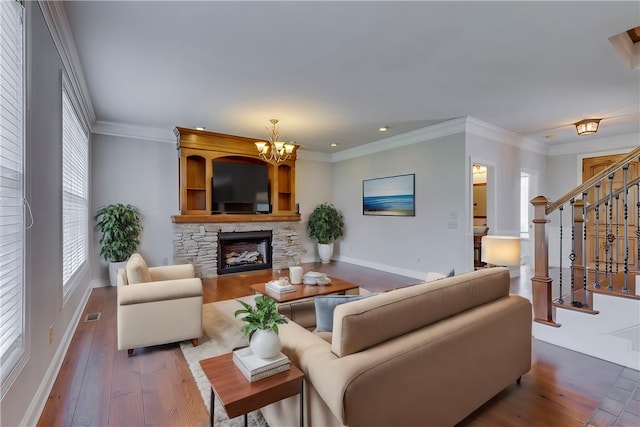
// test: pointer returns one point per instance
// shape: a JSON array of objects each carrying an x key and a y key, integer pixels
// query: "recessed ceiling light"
[
  {"x": 383, "y": 128},
  {"x": 334, "y": 144},
  {"x": 200, "y": 128},
  {"x": 549, "y": 137}
]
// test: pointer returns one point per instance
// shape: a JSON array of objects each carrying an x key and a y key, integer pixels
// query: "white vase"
[
  {"x": 325, "y": 251},
  {"x": 265, "y": 343},
  {"x": 113, "y": 270}
]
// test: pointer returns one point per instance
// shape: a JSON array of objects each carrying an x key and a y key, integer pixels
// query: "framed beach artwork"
[{"x": 389, "y": 196}]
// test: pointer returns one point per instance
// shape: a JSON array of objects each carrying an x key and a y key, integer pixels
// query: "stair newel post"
[
  {"x": 585, "y": 271},
  {"x": 597, "y": 244},
  {"x": 577, "y": 241},
  {"x": 541, "y": 282},
  {"x": 625, "y": 194}
]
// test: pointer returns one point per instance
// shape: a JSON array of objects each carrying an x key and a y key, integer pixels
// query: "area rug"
[{"x": 222, "y": 333}]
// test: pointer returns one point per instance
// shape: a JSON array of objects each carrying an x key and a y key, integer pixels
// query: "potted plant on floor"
[
  {"x": 120, "y": 226},
  {"x": 325, "y": 224},
  {"x": 261, "y": 324}
]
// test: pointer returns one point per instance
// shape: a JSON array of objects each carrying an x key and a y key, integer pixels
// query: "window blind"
[
  {"x": 12, "y": 235},
  {"x": 75, "y": 178}
]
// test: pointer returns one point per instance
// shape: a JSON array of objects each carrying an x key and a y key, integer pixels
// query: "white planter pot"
[
  {"x": 325, "y": 251},
  {"x": 113, "y": 270},
  {"x": 265, "y": 343}
]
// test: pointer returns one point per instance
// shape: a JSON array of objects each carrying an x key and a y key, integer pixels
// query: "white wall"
[
  {"x": 313, "y": 186},
  {"x": 408, "y": 245},
  {"x": 24, "y": 401},
  {"x": 142, "y": 173}
]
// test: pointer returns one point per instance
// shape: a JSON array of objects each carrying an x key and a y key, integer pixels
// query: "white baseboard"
[
  {"x": 420, "y": 275},
  {"x": 44, "y": 389}
]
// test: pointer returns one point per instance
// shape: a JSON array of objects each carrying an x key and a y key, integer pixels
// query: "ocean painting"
[{"x": 392, "y": 196}]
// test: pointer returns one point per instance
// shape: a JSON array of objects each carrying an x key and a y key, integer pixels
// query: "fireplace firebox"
[{"x": 244, "y": 251}]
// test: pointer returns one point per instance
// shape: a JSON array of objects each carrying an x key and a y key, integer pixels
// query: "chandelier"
[{"x": 274, "y": 149}]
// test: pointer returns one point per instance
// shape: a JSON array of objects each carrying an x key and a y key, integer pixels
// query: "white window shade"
[
  {"x": 75, "y": 178},
  {"x": 12, "y": 288}
]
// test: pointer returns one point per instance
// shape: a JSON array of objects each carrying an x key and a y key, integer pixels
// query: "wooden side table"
[{"x": 239, "y": 396}]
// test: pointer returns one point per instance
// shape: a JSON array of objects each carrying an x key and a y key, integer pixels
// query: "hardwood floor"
[{"x": 100, "y": 386}]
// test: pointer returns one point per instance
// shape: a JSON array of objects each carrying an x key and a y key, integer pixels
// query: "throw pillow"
[
  {"x": 325, "y": 306},
  {"x": 137, "y": 270}
]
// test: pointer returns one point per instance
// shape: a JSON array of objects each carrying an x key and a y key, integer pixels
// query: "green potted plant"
[
  {"x": 325, "y": 224},
  {"x": 261, "y": 324},
  {"x": 120, "y": 226}
]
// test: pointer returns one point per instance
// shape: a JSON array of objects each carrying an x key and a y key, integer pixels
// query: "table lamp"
[{"x": 500, "y": 250}]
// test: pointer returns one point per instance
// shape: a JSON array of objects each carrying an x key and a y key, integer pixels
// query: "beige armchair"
[{"x": 157, "y": 305}]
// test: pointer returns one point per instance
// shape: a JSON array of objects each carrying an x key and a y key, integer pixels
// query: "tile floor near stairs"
[{"x": 621, "y": 406}]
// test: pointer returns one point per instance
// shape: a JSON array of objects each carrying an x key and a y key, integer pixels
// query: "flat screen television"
[{"x": 240, "y": 188}]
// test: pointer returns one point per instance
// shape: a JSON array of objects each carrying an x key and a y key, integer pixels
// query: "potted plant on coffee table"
[
  {"x": 261, "y": 324},
  {"x": 120, "y": 226},
  {"x": 325, "y": 224}
]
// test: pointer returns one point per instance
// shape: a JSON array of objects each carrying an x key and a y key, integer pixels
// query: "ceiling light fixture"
[
  {"x": 587, "y": 126},
  {"x": 383, "y": 128},
  {"x": 334, "y": 144},
  {"x": 274, "y": 149}
]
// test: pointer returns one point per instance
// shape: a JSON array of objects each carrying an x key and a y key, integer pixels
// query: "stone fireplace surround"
[{"x": 197, "y": 243}]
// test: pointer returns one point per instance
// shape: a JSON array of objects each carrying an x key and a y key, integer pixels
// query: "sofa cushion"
[
  {"x": 137, "y": 270},
  {"x": 365, "y": 323},
  {"x": 325, "y": 306}
]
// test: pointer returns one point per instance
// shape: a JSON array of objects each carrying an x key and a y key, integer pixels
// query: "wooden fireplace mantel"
[{"x": 186, "y": 219}]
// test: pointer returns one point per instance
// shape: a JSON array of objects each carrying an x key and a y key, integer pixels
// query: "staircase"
[{"x": 586, "y": 295}]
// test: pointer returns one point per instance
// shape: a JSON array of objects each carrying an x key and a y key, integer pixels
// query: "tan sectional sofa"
[{"x": 425, "y": 355}]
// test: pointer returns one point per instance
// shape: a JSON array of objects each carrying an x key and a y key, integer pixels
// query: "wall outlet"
[{"x": 51, "y": 335}]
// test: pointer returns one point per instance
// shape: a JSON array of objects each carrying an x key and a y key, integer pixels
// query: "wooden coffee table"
[
  {"x": 239, "y": 396},
  {"x": 306, "y": 291}
]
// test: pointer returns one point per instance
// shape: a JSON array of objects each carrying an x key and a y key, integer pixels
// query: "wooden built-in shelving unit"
[{"x": 198, "y": 150}]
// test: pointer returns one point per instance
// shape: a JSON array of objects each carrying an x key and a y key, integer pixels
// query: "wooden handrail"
[
  {"x": 593, "y": 180},
  {"x": 615, "y": 193}
]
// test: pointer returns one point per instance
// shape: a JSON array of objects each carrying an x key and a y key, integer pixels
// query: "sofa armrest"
[
  {"x": 159, "y": 291},
  {"x": 171, "y": 272}
]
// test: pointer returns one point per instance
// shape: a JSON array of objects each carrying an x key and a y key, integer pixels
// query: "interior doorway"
[{"x": 480, "y": 224}]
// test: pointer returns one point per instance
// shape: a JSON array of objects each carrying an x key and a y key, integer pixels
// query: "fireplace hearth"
[{"x": 244, "y": 251}]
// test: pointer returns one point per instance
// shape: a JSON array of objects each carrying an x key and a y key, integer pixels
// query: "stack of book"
[
  {"x": 255, "y": 368},
  {"x": 280, "y": 286}
]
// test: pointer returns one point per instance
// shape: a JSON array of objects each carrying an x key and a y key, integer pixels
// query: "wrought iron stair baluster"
[
  {"x": 625, "y": 193},
  {"x": 597, "y": 244},
  {"x": 584, "y": 249},
  {"x": 561, "y": 300}
]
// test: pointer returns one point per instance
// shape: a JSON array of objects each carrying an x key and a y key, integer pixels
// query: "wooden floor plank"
[{"x": 155, "y": 386}]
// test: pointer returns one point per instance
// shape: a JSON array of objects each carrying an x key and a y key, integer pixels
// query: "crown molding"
[
  {"x": 439, "y": 130},
  {"x": 125, "y": 130},
  {"x": 313, "y": 155},
  {"x": 620, "y": 142},
  {"x": 56, "y": 19},
  {"x": 486, "y": 130}
]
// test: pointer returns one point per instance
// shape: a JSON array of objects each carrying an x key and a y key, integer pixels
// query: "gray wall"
[
  {"x": 45, "y": 306},
  {"x": 142, "y": 173},
  {"x": 407, "y": 245}
]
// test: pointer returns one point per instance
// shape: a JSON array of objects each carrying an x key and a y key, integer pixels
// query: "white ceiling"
[{"x": 336, "y": 71}]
